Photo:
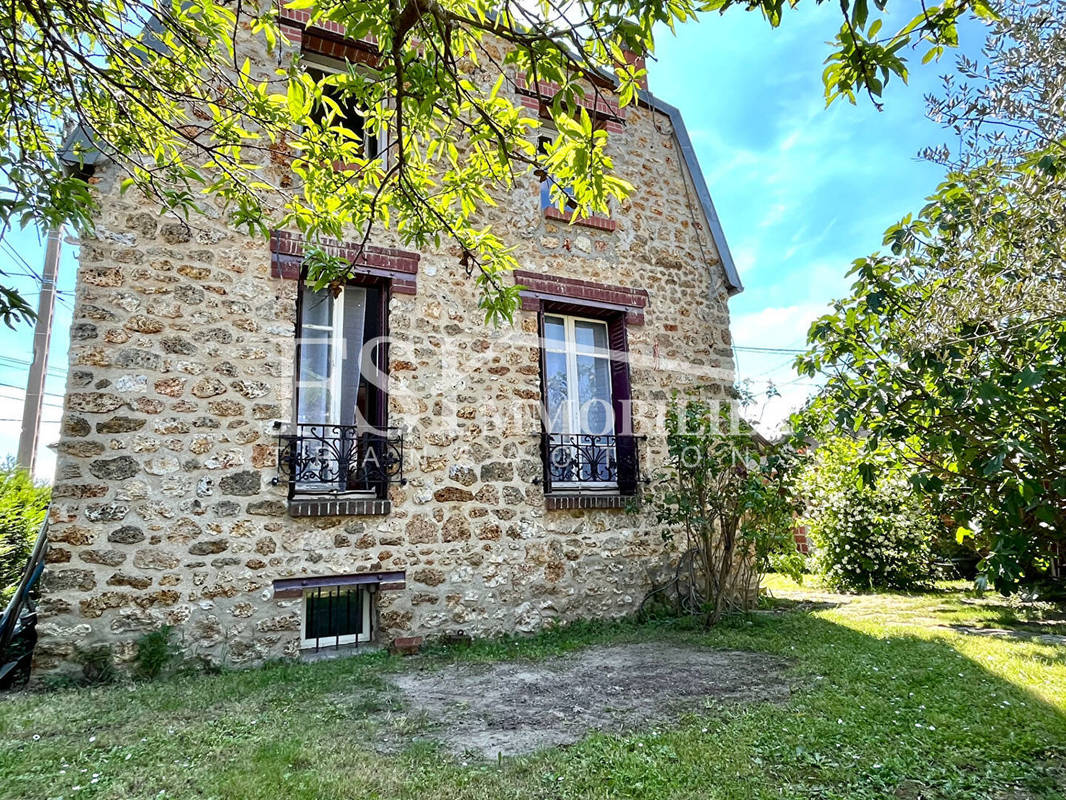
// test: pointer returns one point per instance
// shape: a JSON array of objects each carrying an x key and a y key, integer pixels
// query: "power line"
[
  {"x": 23, "y": 391},
  {"x": 12, "y": 360},
  {"x": 22, "y": 260},
  {"x": 781, "y": 350},
  {"x": 19, "y": 400}
]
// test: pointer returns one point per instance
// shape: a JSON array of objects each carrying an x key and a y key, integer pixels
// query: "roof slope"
[{"x": 707, "y": 205}]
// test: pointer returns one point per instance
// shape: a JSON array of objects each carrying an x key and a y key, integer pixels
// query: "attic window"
[
  {"x": 545, "y": 180},
  {"x": 353, "y": 116},
  {"x": 551, "y": 211}
]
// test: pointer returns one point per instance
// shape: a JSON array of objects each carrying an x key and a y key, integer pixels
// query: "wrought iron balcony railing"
[
  {"x": 577, "y": 461},
  {"x": 325, "y": 459}
]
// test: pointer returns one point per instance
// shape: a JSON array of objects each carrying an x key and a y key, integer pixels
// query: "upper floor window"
[
  {"x": 577, "y": 376},
  {"x": 588, "y": 444},
  {"x": 339, "y": 442},
  {"x": 353, "y": 115},
  {"x": 338, "y": 357}
]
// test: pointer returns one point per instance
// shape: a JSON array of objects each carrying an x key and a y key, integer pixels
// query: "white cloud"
[
  {"x": 785, "y": 328},
  {"x": 776, "y": 326}
]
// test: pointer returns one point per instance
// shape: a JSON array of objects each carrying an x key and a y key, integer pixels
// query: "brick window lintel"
[
  {"x": 600, "y": 103},
  {"x": 400, "y": 266},
  {"x": 539, "y": 287},
  {"x": 595, "y": 221},
  {"x": 325, "y": 38}
]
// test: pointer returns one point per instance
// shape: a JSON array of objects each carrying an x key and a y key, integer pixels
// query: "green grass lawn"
[{"x": 888, "y": 701}]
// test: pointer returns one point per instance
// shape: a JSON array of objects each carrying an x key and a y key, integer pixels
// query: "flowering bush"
[{"x": 865, "y": 535}]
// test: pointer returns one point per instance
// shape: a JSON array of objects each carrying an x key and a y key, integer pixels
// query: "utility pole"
[{"x": 42, "y": 340}]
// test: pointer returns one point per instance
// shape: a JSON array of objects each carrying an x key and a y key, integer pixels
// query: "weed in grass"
[
  {"x": 97, "y": 665},
  {"x": 155, "y": 652}
]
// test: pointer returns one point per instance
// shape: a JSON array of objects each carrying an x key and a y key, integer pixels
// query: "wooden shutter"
[
  {"x": 382, "y": 416},
  {"x": 625, "y": 442},
  {"x": 287, "y": 445},
  {"x": 301, "y": 283},
  {"x": 379, "y": 439},
  {"x": 544, "y": 438}
]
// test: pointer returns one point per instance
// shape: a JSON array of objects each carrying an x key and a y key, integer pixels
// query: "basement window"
[{"x": 337, "y": 615}]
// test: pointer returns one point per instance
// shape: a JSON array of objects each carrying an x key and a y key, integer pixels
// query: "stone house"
[{"x": 272, "y": 470}]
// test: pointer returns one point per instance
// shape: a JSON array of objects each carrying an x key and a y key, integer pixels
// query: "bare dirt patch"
[{"x": 518, "y": 707}]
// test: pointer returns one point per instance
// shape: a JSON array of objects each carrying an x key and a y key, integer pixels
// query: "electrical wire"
[{"x": 22, "y": 260}]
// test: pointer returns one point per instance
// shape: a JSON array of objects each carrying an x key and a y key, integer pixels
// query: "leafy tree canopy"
[
  {"x": 165, "y": 90},
  {"x": 953, "y": 344}
]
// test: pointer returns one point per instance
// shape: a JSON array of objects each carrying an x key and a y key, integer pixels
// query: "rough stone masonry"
[{"x": 182, "y": 358}]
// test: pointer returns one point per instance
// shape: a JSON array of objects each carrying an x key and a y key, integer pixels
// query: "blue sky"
[
  {"x": 801, "y": 190},
  {"x": 23, "y": 252}
]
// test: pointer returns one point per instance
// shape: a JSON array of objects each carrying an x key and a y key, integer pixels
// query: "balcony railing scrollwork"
[
  {"x": 585, "y": 461},
  {"x": 327, "y": 459}
]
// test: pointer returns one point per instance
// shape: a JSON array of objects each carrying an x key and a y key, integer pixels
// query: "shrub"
[
  {"x": 97, "y": 665},
  {"x": 23, "y": 505},
  {"x": 155, "y": 651},
  {"x": 867, "y": 527},
  {"x": 728, "y": 493}
]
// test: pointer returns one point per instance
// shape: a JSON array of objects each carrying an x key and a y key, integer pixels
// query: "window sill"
[
  {"x": 597, "y": 222},
  {"x": 561, "y": 501},
  {"x": 310, "y": 655},
  {"x": 355, "y": 506}
]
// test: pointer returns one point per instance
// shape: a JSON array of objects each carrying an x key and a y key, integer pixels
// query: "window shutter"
[
  {"x": 382, "y": 416},
  {"x": 377, "y": 440},
  {"x": 287, "y": 445},
  {"x": 625, "y": 442},
  {"x": 301, "y": 284},
  {"x": 544, "y": 438}
]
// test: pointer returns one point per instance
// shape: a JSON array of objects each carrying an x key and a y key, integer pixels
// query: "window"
[
  {"x": 587, "y": 441},
  {"x": 577, "y": 375},
  {"x": 340, "y": 443},
  {"x": 545, "y": 181},
  {"x": 336, "y": 615},
  {"x": 352, "y": 116},
  {"x": 338, "y": 357}
]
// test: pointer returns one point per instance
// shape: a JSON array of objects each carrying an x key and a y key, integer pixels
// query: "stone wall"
[{"x": 182, "y": 356}]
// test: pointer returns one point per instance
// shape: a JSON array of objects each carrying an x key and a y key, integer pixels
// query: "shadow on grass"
[{"x": 874, "y": 713}]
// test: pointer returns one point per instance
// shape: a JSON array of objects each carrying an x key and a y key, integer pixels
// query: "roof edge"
[{"x": 733, "y": 282}]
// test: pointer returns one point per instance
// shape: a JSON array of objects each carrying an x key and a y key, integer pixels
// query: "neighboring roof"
[
  {"x": 78, "y": 149},
  {"x": 698, "y": 181}
]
